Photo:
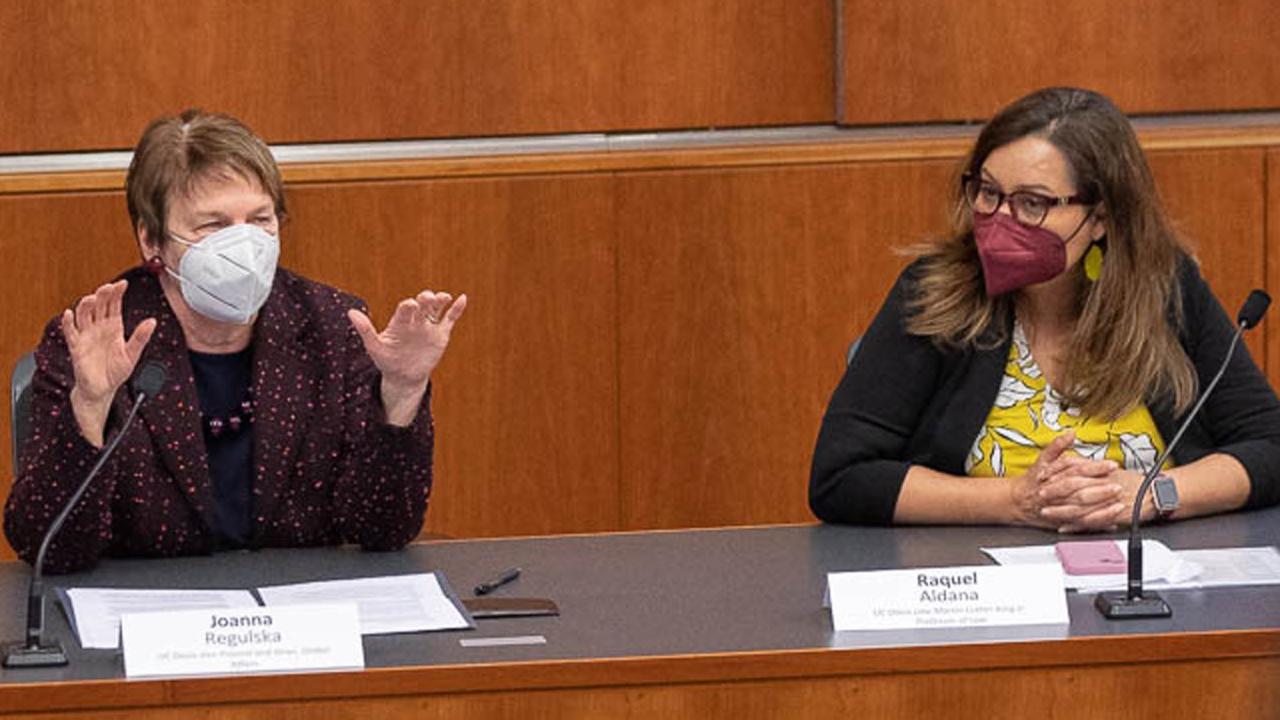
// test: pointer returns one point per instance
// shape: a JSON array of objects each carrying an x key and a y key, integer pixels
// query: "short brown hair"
[{"x": 176, "y": 152}]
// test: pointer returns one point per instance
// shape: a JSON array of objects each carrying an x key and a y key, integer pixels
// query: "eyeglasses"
[{"x": 1028, "y": 208}]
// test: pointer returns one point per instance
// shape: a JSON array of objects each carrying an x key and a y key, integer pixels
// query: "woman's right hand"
[
  {"x": 100, "y": 356},
  {"x": 1092, "y": 490}
]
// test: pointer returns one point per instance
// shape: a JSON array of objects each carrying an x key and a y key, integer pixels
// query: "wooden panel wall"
[
  {"x": 526, "y": 418},
  {"x": 739, "y": 291},
  {"x": 738, "y": 294},
  {"x": 930, "y": 60},
  {"x": 1226, "y": 227},
  {"x": 530, "y": 444},
  {"x": 1272, "y": 223},
  {"x": 94, "y": 73},
  {"x": 645, "y": 348},
  {"x": 56, "y": 247},
  {"x": 86, "y": 74}
]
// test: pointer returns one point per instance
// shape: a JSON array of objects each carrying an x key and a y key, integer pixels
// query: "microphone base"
[
  {"x": 1119, "y": 606},
  {"x": 21, "y": 655}
]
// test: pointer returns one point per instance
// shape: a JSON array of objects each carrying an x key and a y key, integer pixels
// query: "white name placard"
[
  {"x": 242, "y": 640},
  {"x": 978, "y": 595}
]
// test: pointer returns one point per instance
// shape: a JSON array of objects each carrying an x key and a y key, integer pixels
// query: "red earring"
[{"x": 155, "y": 265}]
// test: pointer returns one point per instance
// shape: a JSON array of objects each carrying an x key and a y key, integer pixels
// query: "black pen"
[{"x": 503, "y": 578}]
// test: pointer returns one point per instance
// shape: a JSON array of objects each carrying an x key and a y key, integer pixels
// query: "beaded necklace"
[{"x": 232, "y": 422}]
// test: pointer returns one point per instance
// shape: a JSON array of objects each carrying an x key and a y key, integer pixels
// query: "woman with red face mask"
[{"x": 1029, "y": 368}]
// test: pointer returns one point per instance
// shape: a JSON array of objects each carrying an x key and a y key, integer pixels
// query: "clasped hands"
[{"x": 1070, "y": 493}]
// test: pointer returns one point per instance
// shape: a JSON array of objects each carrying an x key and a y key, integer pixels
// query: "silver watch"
[{"x": 1164, "y": 491}]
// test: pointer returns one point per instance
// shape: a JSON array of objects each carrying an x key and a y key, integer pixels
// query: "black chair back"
[{"x": 20, "y": 403}]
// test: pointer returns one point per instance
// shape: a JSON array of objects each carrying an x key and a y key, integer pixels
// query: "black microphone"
[
  {"x": 34, "y": 652},
  {"x": 1255, "y": 306},
  {"x": 1133, "y": 603}
]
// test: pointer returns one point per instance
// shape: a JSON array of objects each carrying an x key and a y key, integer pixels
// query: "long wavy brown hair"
[{"x": 1124, "y": 349}]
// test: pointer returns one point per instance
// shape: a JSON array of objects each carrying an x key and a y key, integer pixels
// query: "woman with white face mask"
[
  {"x": 286, "y": 418},
  {"x": 1029, "y": 367}
]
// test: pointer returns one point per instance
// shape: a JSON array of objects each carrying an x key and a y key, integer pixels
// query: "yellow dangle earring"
[{"x": 1093, "y": 261}]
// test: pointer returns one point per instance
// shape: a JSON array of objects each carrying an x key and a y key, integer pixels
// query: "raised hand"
[
  {"x": 408, "y": 350},
  {"x": 101, "y": 358}
]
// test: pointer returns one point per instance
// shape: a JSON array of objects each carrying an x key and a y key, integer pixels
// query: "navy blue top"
[{"x": 222, "y": 383}]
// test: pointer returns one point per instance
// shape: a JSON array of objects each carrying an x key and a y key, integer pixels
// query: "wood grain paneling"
[
  {"x": 525, "y": 399},
  {"x": 645, "y": 347},
  {"x": 847, "y": 146},
  {"x": 738, "y": 292},
  {"x": 1073, "y": 678},
  {"x": 56, "y": 247},
  {"x": 1168, "y": 691},
  {"x": 81, "y": 74},
  {"x": 733, "y": 286},
  {"x": 1216, "y": 199},
  {"x": 1272, "y": 327},
  {"x": 931, "y": 60}
]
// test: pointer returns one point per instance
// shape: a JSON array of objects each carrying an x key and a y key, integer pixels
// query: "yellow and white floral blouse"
[{"x": 1027, "y": 415}]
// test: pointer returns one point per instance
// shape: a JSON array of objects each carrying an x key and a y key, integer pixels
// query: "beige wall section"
[
  {"x": 652, "y": 337},
  {"x": 932, "y": 60},
  {"x": 84, "y": 75}
]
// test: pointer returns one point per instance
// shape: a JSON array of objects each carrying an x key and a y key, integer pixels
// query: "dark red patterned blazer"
[{"x": 326, "y": 469}]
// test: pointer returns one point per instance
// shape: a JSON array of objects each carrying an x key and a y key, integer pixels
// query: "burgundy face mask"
[{"x": 1013, "y": 255}]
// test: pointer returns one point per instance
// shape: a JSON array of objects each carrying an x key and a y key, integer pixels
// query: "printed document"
[
  {"x": 389, "y": 604},
  {"x": 94, "y": 613}
]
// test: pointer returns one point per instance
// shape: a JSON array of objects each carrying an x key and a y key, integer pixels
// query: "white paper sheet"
[
  {"x": 96, "y": 612},
  {"x": 1235, "y": 566},
  {"x": 389, "y": 604},
  {"x": 1159, "y": 564},
  {"x": 1163, "y": 568}
]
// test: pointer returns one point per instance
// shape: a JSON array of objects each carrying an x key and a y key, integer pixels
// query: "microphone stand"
[
  {"x": 34, "y": 652},
  {"x": 1133, "y": 602}
]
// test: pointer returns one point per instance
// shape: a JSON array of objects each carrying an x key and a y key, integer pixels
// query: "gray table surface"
[{"x": 660, "y": 593}]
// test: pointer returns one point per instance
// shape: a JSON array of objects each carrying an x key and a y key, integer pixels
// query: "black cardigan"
[{"x": 904, "y": 402}]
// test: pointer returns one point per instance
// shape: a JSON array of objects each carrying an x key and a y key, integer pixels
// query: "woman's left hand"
[
  {"x": 409, "y": 349},
  {"x": 1092, "y": 501}
]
